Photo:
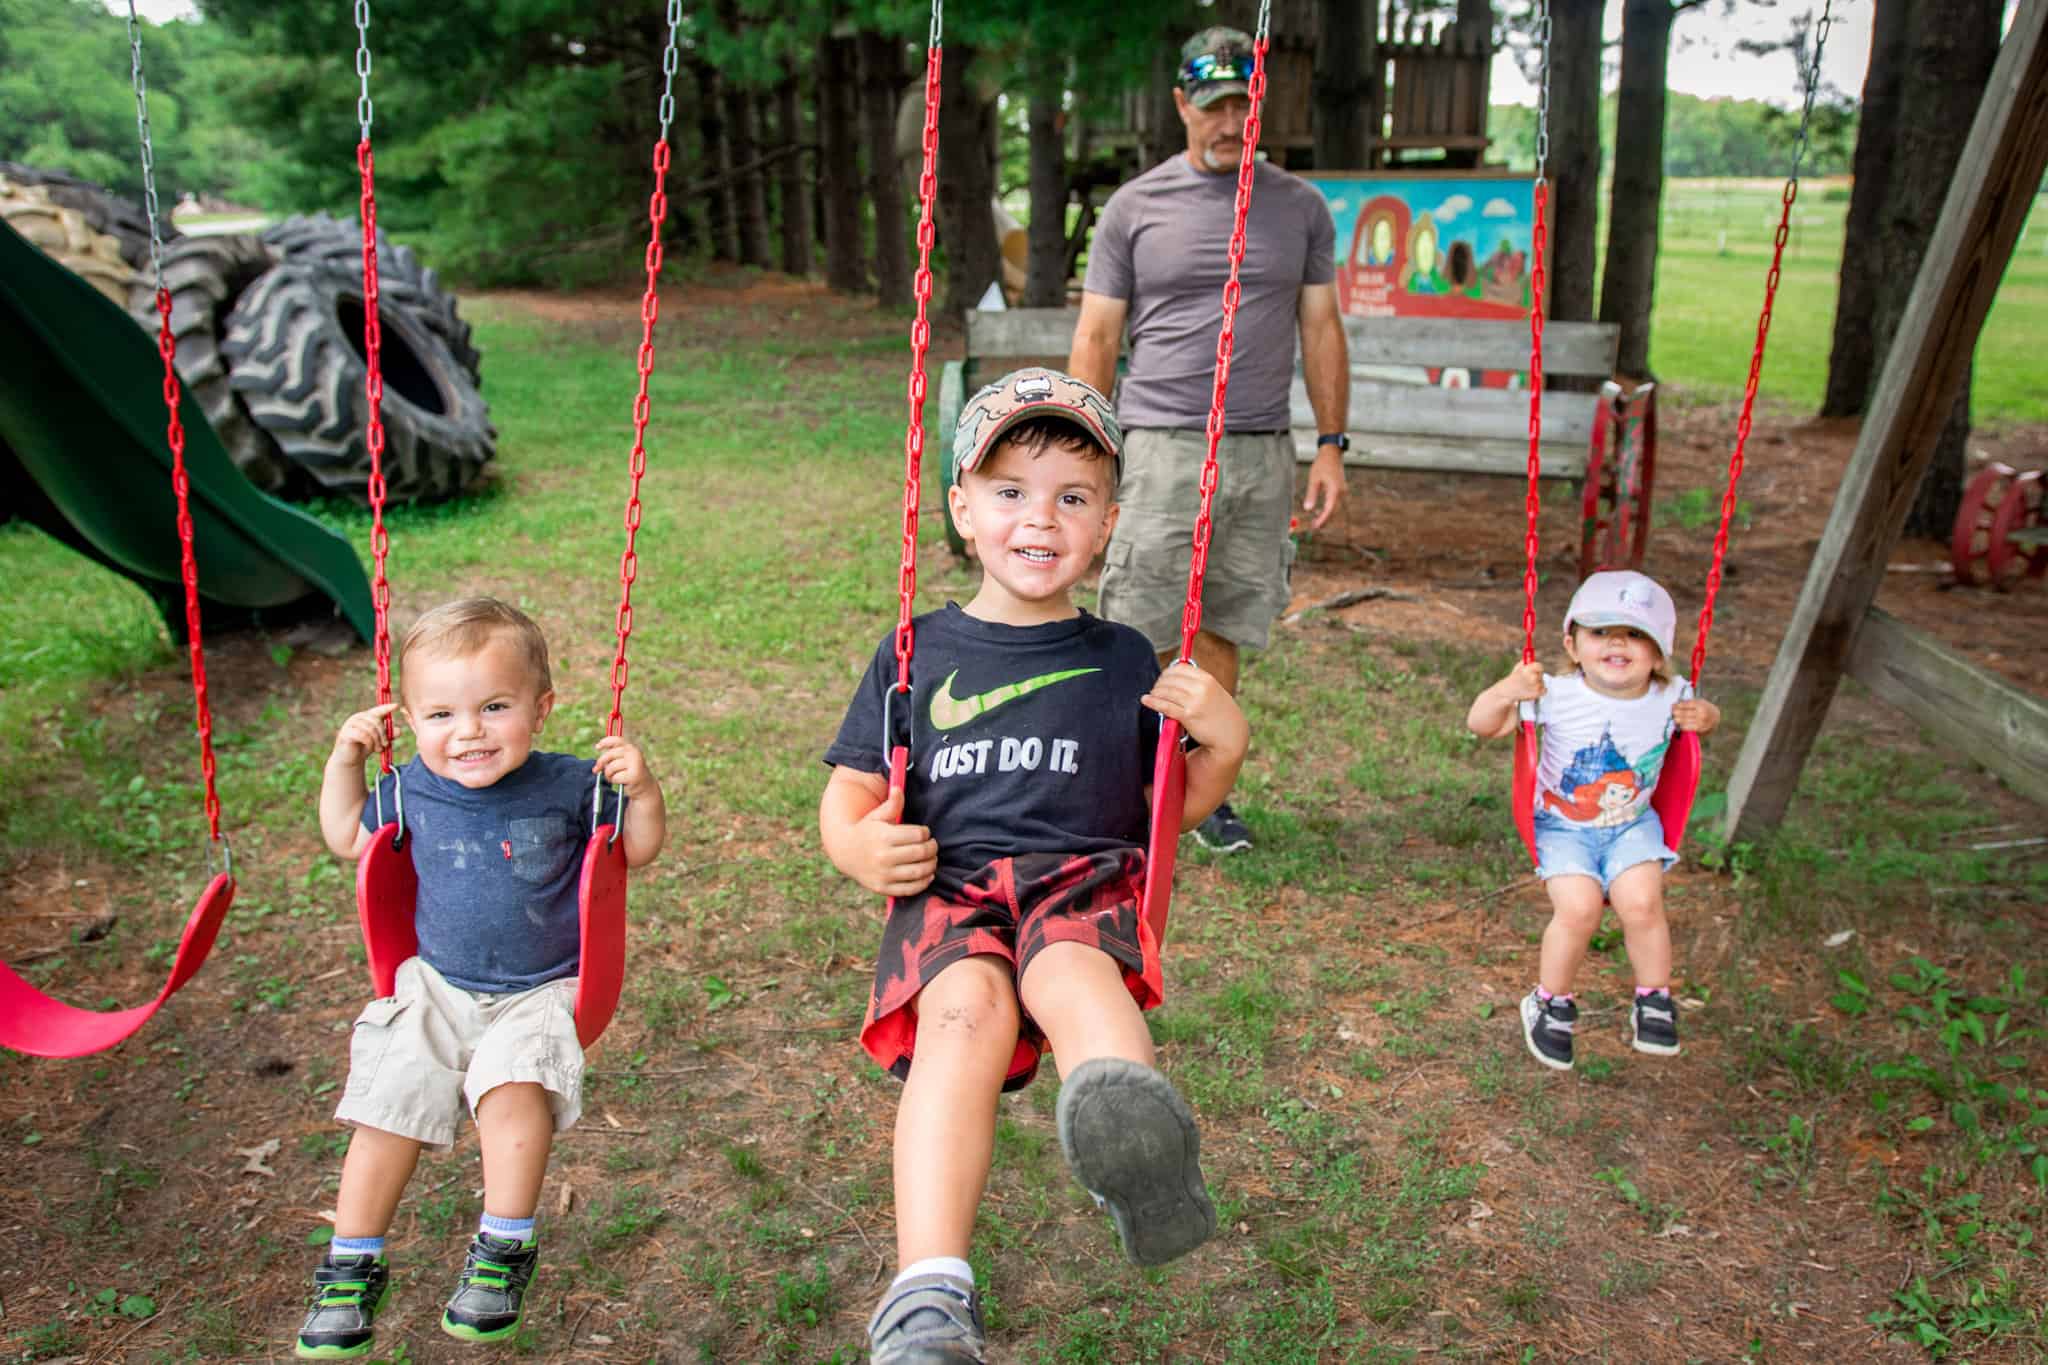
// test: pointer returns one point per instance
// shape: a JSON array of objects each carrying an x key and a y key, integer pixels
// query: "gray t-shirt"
[
  {"x": 1164, "y": 246},
  {"x": 499, "y": 869}
]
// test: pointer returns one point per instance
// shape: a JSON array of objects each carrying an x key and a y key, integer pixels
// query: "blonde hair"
[
  {"x": 1660, "y": 672},
  {"x": 465, "y": 626}
]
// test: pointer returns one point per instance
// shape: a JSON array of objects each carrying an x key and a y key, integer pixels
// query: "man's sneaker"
[
  {"x": 1547, "y": 1028},
  {"x": 1656, "y": 1024},
  {"x": 1223, "y": 832},
  {"x": 925, "y": 1320},
  {"x": 491, "y": 1295},
  {"x": 1131, "y": 1141},
  {"x": 348, "y": 1293}
]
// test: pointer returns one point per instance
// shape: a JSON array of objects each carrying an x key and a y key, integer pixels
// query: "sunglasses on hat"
[{"x": 1209, "y": 67}]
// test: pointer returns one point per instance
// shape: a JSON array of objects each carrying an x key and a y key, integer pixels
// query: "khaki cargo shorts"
[
  {"x": 1145, "y": 573},
  {"x": 422, "y": 1055}
]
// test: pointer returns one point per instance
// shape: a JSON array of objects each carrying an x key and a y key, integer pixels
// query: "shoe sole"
[
  {"x": 464, "y": 1332},
  {"x": 304, "y": 1352},
  {"x": 1529, "y": 1041},
  {"x": 1234, "y": 846},
  {"x": 1132, "y": 1143}
]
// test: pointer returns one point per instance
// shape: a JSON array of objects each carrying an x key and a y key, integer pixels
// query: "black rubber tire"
[
  {"x": 118, "y": 217},
  {"x": 293, "y": 351},
  {"x": 62, "y": 234},
  {"x": 402, "y": 282},
  {"x": 205, "y": 276}
]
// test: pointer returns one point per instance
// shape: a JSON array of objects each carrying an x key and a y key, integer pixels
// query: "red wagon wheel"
[
  {"x": 1621, "y": 468},
  {"x": 1970, "y": 543},
  {"x": 2021, "y": 509}
]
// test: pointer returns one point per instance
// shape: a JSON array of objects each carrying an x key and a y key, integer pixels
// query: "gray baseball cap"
[{"x": 1214, "y": 63}]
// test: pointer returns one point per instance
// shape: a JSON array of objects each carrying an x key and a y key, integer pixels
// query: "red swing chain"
[
  {"x": 1538, "y": 247},
  {"x": 1756, "y": 357},
  {"x": 920, "y": 342},
  {"x": 1247, "y": 164},
  {"x": 174, "y": 437},
  {"x": 650, "y": 309},
  {"x": 373, "y": 378}
]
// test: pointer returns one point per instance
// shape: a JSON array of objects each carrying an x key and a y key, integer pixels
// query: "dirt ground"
[{"x": 234, "y": 1174}]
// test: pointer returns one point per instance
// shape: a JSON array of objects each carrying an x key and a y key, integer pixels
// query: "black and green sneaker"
[
  {"x": 348, "y": 1293},
  {"x": 491, "y": 1295}
]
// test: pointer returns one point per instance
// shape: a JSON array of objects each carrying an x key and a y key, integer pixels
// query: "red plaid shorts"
[{"x": 1010, "y": 909}]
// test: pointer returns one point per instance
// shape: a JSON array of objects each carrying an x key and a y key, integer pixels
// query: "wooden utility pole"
[{"x": 1988, "y": 200}]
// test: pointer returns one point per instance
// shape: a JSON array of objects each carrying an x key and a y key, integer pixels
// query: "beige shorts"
[
  {"x": 1145, "y": 573},
  {"x": 420, "y": 1056}
]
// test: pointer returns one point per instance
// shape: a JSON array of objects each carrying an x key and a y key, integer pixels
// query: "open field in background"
[
  {"x": 1711, "y": 264},
  {"x": 1846, "y": 1164}
]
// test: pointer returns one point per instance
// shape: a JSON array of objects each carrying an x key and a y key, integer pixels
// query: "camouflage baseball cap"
[
  {"x": 1033, "y": 392},
  {"x": 1216, "y": 62}
]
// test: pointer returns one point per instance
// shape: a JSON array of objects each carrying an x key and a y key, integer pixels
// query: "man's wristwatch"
[{"x": 1334, "y": 438}]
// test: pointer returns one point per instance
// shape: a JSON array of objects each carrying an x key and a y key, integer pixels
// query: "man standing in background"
[{"x": 1158, "y": 261}]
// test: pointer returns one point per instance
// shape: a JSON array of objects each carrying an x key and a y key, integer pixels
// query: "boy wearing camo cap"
[{"x": 1015, "y": 859}]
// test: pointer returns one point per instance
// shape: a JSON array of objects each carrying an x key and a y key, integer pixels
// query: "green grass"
[{"x": 1711, "y": 265}]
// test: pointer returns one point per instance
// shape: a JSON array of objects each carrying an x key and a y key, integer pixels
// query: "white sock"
[{"x": 936, "y": 1265}]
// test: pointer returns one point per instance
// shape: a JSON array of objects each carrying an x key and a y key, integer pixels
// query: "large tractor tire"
[
  {"x": 402, "y": 282},
  {"x": 293, "y": 347},
  {"x": 205, "y": 276},
  {"x": 104, "y": 211},
  {"x": 65, "y": 236}
]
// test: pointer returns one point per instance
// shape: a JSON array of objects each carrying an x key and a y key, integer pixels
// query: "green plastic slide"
[{"x": 83, "y": 456}]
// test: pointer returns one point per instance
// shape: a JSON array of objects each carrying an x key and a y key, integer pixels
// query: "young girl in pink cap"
[{"x": 1606, "y": 726}]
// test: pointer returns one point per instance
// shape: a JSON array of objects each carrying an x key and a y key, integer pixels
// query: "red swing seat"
[
  {"x": 387, "y": 891},
  {"x": 1677, "y": 784}
]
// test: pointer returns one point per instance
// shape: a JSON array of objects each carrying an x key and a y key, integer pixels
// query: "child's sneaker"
[
  {"x": 1547, "y": 1028},
  {"x": 1656, "y": 1024},
  {"x": 490, "y": 1297},
  {"x": 926, "y": 1320},
  {"x": 348, "y": 1293},
  {"x": 1131, "y": 1141}
]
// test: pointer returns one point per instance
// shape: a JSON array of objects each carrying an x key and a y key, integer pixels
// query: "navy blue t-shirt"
[
  {"x": 1023, "y": 739},
  {"x": 499, "y": 868}
]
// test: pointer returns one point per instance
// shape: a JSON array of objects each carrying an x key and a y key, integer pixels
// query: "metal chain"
[
  {"x": 1539, "y": 242},
  {"x": 373, "y": 382},
  {"x": 1756, "y": 357},
  {"x": 363, "y": 108},
  {"x": 1226, "y": 339},
  {"x": 174, "y": 437},
  {"x": 650, "y": 309},
  {"x": 920, "y": 342}
]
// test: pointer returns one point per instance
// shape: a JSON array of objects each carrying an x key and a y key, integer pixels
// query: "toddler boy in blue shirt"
[{"x": 483, "y": 1017}]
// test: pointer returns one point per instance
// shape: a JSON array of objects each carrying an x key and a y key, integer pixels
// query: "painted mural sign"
[{"x": 1433, "y": 246}]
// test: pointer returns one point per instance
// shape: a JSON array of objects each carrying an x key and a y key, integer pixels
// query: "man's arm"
[
  {"x": 1098, "y": 336},
  {"x": 1326, "y": 370}
]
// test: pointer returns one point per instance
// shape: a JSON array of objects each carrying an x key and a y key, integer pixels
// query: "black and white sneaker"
[
  {"x": 1223, "y": 832},
  {"x": 1656, "y": 1024},
  {"x": 1547, "y": 1028}
]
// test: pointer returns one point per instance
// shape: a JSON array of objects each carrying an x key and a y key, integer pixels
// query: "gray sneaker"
[
  {"x": 490, "y": 1298},
  {"x": 1223, "y": 831},
  {"x": 348, "y": 1293},
  {"x": 927, "y": 1320},
  {"x": 1131, "y": 1141}
]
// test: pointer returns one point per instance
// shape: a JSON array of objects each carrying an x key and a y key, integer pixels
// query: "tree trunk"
[
  {"x": 1951, "y": 46},
  {"x": 967, "y": 181},
  {"x": 1574, "y": 155},
  {"x": 1852, "y": 363},
  {"x": 750, "y": 185},
  {"x": 1628, "y": 286},
  {"x": 839, "y": 167},
  {"x": 1164, "y": 133},
  {"x": 1343, "y": 80},
  {"x": 793, "y": 202},
  {"x": 881, "y": 79},
  {"x": 715, "y": 159},
  {"x": 1045, "y": 271}
]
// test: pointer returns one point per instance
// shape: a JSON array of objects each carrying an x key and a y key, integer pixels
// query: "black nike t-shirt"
[{"x": 1023, "y": 739}]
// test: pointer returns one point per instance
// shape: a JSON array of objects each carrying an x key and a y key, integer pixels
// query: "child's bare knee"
[{"x": 968, "y": 1000}]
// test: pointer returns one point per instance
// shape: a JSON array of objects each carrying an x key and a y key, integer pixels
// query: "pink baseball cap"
[{"x": 1623, "y": 597}]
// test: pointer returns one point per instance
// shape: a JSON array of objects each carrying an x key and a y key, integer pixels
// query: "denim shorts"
[{"x": 1564, "y": 849}]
